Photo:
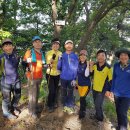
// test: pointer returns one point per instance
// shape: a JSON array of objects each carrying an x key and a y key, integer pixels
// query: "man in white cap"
[{"x": 68, "y": 65}]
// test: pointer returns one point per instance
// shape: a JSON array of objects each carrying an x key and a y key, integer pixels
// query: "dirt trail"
[{"x": 57, "y": 120}]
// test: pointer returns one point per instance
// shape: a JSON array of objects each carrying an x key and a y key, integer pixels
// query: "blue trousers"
[
  {"x": 122, "y": 106},
  {"x": 67, "y": 93},
  {"x": 8, "y": 103}
]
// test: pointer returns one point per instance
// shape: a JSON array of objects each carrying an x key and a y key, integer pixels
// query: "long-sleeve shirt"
[
  {"x": 68, "y": 65},
  {"x": 121, "y": 81}
]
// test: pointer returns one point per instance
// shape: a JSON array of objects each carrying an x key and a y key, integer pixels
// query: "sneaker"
[
  {"x": 70, "y": 110},
  {"x": 65, "y": 109},
  {"x": 9, "y": 116}
]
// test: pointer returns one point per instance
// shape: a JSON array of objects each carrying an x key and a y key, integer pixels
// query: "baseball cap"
[
  {"x": 69, "y": 41},
  {"x": 84, "y": 52},
  {"x": 55, "y": 40},
  {"x": 7, "y": 40},
  {"x": 36, "y": 38}
]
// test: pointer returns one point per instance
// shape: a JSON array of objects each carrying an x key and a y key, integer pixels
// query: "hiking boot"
[
  {"x": 51, "y": 109},
  {"x": 17, "y": 111},
  {"x": 10, "y": 116},
  {"x": 34, "y": 116},
  {"x": 81, "y": 114},
  {"x": 38, "y": 110},
  {"x": 92, "y": 116},
  {"x": 56, "y": 106}
]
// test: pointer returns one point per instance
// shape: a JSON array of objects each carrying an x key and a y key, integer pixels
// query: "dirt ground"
[{"x": 57, "y": 120}]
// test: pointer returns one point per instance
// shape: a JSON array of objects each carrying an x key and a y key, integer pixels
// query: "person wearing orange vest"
[{"x": 35, "y": 60}]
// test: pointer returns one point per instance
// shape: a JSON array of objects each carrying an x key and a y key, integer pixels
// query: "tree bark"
[{"x": 57, "y": 28}]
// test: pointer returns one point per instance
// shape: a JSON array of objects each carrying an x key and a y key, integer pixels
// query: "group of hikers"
[{"x": 73, "y": 72}]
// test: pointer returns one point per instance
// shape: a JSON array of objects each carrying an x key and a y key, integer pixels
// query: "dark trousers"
[
  {"x": 33, "y": 91},
  {"x": 122, "y": 106},
  {"x": 83, "y": 104},
  {"x": 53, "y": 87},
  {"x": 8, "y": 103},
  {"x": 67, "y": 93},
  {"x": 98, "y": 102}
]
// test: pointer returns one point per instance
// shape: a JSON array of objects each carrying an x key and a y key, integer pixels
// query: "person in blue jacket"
[
  {"x": 121, "y": 87},
  {"x": 68, "y": 65},
  {"x": 84, "y": 82},
  {"x": 10, "y": 81}
]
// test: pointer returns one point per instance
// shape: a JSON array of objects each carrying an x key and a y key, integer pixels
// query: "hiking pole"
[
  {"x": 53, "y": 58},
  {"x": 48, "y": 80}
]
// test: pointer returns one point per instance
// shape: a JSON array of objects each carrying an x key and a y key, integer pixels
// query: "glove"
[
  {"x": 73, "y": 83},
  {"x": 46, "y": 65},
  {"x": 43, "y": 62},
  {"x": 29, "y": 60},
  {"x": 60, "y": 57}
]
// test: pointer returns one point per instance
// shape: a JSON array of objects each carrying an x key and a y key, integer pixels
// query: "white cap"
[{"x": 68, "y": 41}]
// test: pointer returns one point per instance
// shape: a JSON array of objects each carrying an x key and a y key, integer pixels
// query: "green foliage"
[
  {"x": 4, "y": 34},
  {"x": 26, "y": 18},
  {"x": 89, "y": 100},
  {"x": 109, "y": 109},
  {"x": 129, "y": 115},
  {"x": 43, "y": 90}
]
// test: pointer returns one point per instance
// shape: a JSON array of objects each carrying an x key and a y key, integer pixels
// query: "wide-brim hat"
[
  {"x": 123, "y": 50},
  {"x": 7, "y": 40}
]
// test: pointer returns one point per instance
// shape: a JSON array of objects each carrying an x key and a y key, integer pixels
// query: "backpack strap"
[{"x": 2, "y": 63}]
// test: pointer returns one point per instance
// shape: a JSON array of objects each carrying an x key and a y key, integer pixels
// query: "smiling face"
[
  {"x": 82, "y": 58},
  {"x": 37, "y": 44},
  {"x": 55, "y": 46},
  {"x": 101, "y": 57},
  {"x": 69, "y": 46},
  {"x": 8, "y": 48},
  {"x": 124, "y": 58}
]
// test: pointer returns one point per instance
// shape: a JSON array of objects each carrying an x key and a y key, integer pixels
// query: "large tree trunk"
[{"x": 57, "y": 28}]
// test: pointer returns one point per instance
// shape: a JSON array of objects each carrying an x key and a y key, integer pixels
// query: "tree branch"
[
  {"x": 71, "y": 9},
  {"x": 102, "y": 12}
]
